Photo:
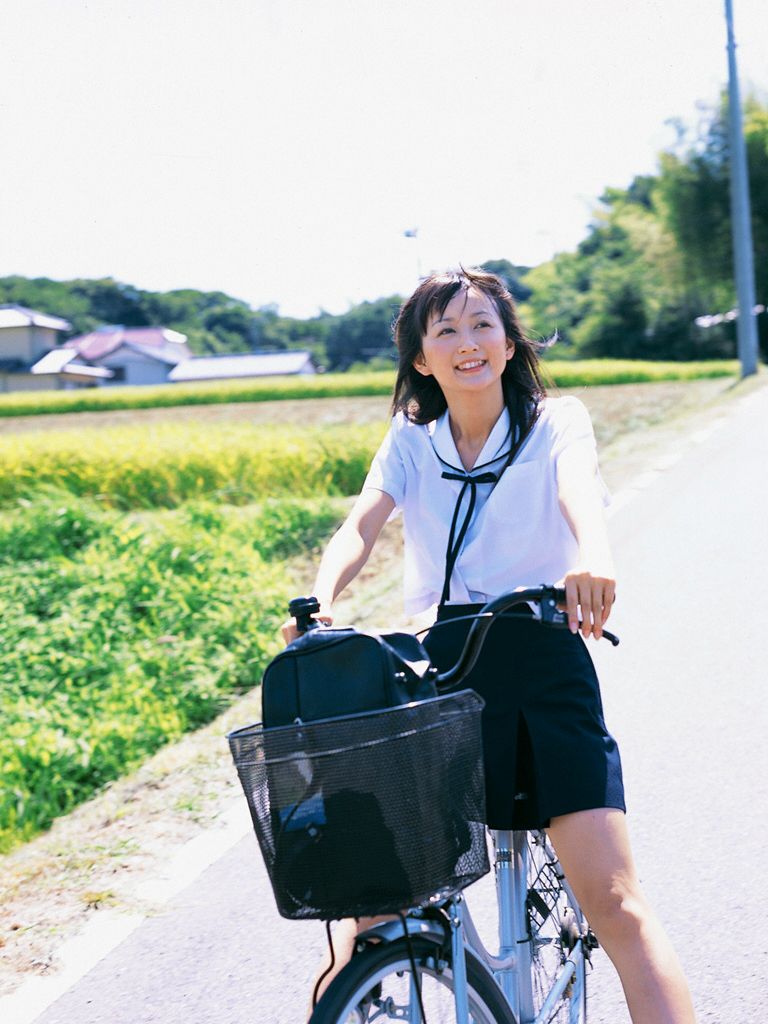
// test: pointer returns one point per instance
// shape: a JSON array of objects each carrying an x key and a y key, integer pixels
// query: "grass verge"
[{"x": 123, "y": 632}]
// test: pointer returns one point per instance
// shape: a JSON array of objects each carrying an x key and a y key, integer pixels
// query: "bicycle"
[{"x": 430, "y": 965}]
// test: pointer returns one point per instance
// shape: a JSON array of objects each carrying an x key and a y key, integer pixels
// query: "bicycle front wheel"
[
  {"x": 557, "y": 929},
  {"x": 378, "y": 985}
]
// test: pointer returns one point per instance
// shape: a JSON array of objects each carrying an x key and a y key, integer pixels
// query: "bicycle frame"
[{"x": 512, "y": 966}]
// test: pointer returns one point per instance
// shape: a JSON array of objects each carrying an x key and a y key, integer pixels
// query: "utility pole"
[{"x": 740, "y": 218}]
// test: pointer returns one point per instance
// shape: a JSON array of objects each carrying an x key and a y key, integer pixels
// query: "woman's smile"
[{"x": 465, "y": 342}]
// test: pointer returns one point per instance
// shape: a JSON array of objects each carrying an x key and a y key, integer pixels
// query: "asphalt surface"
[{"x": 683, "y": 694}]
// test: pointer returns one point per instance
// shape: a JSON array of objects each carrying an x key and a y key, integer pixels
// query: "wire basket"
[{"x": 369, "y": 813}]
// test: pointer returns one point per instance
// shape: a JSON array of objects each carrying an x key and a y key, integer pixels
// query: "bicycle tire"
[
  {"x": 388, "y": 965},
  {"x": 555, "y": 925}
]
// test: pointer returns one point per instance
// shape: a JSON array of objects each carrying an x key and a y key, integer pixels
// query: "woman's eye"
[
  {"x": 444, "y": 330},
  {"x": 482, "y": 323}
]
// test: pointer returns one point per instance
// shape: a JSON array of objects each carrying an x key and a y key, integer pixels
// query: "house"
[
  {"x": 133, "y": 355},
  {"x": 152, "y": 355},
  {"x": 25, "y": 336},
  {"x": 251, "y": 364}
]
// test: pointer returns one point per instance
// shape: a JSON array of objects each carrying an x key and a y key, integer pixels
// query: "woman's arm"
[
  {"x": 591, "y": 583},
  {"x": 347, "y": 552}
]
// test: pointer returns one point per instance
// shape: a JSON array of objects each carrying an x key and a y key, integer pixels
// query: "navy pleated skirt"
[{"x": 547, "y": 749}]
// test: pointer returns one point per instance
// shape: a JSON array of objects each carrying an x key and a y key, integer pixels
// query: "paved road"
[{"x": 683, "y": 694}]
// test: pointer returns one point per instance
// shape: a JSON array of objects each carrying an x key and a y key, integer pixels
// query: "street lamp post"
[{"x": 740, "y": 217}]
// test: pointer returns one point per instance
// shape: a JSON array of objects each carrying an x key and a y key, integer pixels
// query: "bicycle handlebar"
[
  {"x": 548, "y": 598},
  {"x": 544, "y": 596}
]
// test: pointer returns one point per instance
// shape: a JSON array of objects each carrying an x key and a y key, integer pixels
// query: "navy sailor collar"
[{"x": 496, "y": 445}]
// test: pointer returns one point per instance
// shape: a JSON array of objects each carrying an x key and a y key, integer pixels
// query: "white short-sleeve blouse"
[{"x": 517, "y": 535}]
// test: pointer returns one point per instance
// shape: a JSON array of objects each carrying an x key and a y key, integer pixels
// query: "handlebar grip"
[
  {"x": 547, "y": 598},
  {"x": 302, "y": 609}
]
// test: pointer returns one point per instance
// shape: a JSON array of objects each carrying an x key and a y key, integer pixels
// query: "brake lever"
[{"x": 551, "y": 615}]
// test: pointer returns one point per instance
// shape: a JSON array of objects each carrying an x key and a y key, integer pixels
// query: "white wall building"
[
  {"x": 144, "y": 355},
  {"x": 25, "y": 336}
]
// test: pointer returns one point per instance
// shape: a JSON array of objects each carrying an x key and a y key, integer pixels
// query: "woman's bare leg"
[
  {"x": 593, "y": 847},
  {"x": 344, "y": 936}
]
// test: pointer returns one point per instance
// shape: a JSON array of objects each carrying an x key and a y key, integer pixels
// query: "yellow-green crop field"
[
  {"x": 164, "y": 465},
  {"x": 333, "y": 385}
]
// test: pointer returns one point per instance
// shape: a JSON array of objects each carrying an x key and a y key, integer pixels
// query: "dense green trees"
[
  {"x": 362, "y": 334},
  {"x": 213, "y": 321},
  {"x": 511, "y": 275},
  {"x": 658, "y": 254}
]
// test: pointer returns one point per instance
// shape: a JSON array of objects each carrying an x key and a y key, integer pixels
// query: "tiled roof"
[
  {"x": 167, "y": 354},
  {"x": 250, "y": 364},
  {"x": 20, "y": 316}
]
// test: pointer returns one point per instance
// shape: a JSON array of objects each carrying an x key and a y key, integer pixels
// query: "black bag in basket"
[
  {"x": 330, "y": 672},
  {"x": 345, "y": 831}
]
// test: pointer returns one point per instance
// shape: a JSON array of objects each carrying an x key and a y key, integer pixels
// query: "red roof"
[{"x": 100, "y": 343}]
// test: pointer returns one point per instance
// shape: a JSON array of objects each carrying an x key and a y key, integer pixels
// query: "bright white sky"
[{"x": 277, "y": 149}]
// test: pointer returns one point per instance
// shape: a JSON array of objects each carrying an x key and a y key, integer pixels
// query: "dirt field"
[{"x": 615, "y": 409}]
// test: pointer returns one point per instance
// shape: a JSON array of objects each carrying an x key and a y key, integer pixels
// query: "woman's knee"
[{"x": 617, "y": 911}]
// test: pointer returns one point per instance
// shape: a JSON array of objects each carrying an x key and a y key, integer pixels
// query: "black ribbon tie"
[{"x": 454, "y": 542}]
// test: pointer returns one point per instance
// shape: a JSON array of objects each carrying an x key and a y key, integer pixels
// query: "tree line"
[
  {"x": 656, "y": 256},
  {"x": 659, "y": 254}
]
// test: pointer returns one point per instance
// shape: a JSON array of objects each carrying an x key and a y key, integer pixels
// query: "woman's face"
[{"x": 466, "y": 347}]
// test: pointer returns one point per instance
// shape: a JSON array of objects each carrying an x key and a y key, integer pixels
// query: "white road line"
[
  {"x": 107, "y": 929},
  {"x": 199, "y": 853},
  {"x": 78, "y": 956}
]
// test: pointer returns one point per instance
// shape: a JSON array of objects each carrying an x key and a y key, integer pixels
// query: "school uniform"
[{"x": 473, "y": 535}]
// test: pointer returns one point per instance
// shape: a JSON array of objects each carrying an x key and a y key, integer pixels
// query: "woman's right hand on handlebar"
[{"x": 290, "y": 631}]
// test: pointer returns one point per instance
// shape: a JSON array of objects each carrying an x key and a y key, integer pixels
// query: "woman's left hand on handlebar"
[{"x": 594, "y": 593}]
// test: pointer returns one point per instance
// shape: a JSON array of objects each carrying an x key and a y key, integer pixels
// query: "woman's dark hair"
[{"x": 421, "y": 398}]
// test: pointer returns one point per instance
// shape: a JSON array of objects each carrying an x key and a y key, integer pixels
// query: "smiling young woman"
[{"x": 499, "y": 487}]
